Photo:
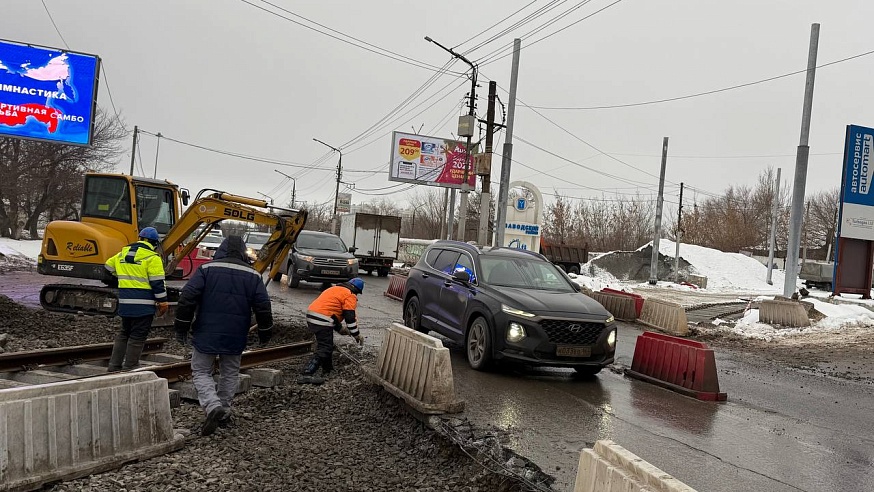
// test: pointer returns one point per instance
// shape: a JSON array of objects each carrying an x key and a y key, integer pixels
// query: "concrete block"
[
  {"x": 621, "y": 307},
  {"x": 187, "y": 391},
  {"x": 71, "y": 429},
  {"x": 610, "y": 467},
  {"x": 161, "y": 358},
  {"x": 263, "y": 377},
  {"x": 416, "y": 368},
  {"x": 82, "y": 370},
  {"x": 699, "y": 280},
  {"x": 785, "y": 313},
  {"x": 666, "y": 316},
  {"x": 175, "y": 398},
  {"x": 41, "y": 377}
]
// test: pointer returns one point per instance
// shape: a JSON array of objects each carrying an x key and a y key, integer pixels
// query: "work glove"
[
  {"x": 162, "y": 308},
  {"x": 359, "y": 339},
  {"x": 344, "y": 331},
  {"x": 264, "y": 336},
  {"x": 181, "y": 329}
]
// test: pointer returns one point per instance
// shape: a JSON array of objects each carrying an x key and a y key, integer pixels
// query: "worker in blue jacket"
[{"x": 216, "y": 305}]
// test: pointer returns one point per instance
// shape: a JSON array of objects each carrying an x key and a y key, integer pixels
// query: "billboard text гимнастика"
[{"x": 47, "y": 94}]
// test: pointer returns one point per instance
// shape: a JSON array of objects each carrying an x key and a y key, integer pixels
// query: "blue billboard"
[
  {"x": 857, "y": 197},
  {"x": 47, "y": 94}
]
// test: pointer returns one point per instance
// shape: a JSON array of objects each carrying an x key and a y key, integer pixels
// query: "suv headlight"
[
  {"x": 609, "y": 320},
  {"x": 517, "y": 312},
  {"x": 352, "y": 261},
  {"x": 515, "y": 332},
  {"x": 611, "y": 339},
  {"x": 308, "y": 259}
]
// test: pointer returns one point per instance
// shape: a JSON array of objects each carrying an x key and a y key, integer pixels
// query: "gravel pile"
[{"x": 346, "y": 435}]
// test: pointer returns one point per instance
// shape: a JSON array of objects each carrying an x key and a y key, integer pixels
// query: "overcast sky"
[{"x": 227, "y": 75}]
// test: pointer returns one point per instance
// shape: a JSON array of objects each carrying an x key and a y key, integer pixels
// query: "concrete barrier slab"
[
  {"x": 263, "y": 377},
  {"x": 666, "y": 316},
  {"x": 785, "y": 313},
  {"x": 609, "y": 467},
  {"x": 187, "y": 391},
  {"x": 621, "y": 307},
  {"x": 417, "y": 369},
  {"x": 70, "y": 429}
]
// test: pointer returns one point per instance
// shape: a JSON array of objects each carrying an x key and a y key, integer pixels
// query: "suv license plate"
[
  {"x": 330, "y": 272},
  {"x": 573, "y": 351}
]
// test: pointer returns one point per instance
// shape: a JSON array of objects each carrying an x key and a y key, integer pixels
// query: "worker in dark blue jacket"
[{"x": 216, "y": 305}]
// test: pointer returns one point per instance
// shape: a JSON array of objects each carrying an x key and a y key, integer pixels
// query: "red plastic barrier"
[
  {"x": 682, "y": 365},
  {"x": 638, "y": 299},
  {"x": 395, "y": 290}
]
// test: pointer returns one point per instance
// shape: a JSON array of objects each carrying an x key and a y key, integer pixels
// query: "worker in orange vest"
[{"x": 325, "y": 316}]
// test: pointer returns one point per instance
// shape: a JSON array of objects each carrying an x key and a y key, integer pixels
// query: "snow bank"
[{"x": 24, "y": 248}]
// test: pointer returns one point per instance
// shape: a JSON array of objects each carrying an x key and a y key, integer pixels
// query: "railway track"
[{"x": 87, "y": 361}]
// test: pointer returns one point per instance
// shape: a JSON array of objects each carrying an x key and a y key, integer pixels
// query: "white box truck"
[{"x": 375, "y": 239}]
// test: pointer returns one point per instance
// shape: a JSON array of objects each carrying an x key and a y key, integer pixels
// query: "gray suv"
[{"x": 319, "y": 257}]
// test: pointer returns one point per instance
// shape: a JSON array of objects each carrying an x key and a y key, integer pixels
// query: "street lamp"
[
  {"x": 157, "y": 149},
  {"x": 465, "y": 188},
  {"x": 293, "y": 186},
  {"x": 266, "y": 196},
  {"x": 337, "y": 190}
]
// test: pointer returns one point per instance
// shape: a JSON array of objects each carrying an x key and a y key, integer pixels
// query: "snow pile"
[
  {"x": 726, "y": 272},
  {"x": 601, "y": 280},
  {"x": 11, "y": 248}
]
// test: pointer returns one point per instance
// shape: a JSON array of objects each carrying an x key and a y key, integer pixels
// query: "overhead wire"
[
  {"x": 494, "y": 25},
  {"x": 364, "y": 45},
  {"x": 703, "y": 93},
  {"x": 553, "y": 4}
]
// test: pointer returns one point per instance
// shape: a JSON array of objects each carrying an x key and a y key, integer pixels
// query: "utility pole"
[
  {"x": 679, "y": 232},
  {"x": 157, "y": 149},
  {"x": 773, "y": 239},
  {"x": 450, "y": 220},
  {"x": 654, "y": 262},
  {"x": 796, "y": 213},
  {"x": 133, "y": 150},
  {"x": 293, "y": 186},
  {"x": 337, "y": 189},
  {"x": 442, "y": 234},
  {"x": 469, "y": 124},
  {"x": 805, "y": 228},
  {"x": 485, "y": 210},
  {"x": 507, "y": 155}
]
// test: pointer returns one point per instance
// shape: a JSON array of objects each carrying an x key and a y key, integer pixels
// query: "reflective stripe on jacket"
[
  {"x": 140, "y": 273},
  {"x": 333, "y": 305}
]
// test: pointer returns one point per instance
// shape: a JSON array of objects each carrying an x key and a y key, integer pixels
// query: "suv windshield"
[
  {"x": 523, "y": 273},
  {"x": 326, "y": 243},
  {"x": 257, "y": 238}
]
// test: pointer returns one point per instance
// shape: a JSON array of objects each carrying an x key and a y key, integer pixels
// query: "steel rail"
[
  {"x": 179, "y": 371},
  {"x": 22, "y": 361}
]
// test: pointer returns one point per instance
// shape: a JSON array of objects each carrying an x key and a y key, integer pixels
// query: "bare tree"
[
  {"x": 42, "y": 181},
  {"x": 382, "y": 206},
  {"x": 319, "y": 216}
]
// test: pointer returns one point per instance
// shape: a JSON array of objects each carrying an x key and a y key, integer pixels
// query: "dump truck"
[
  {"x": 817, "y": 274},
  {"x": 568, "y": 257},
  {"x": 373, "y": 239}
]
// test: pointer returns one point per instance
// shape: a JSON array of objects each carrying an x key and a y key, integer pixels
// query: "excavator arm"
[{"x": 206, "y": 211}]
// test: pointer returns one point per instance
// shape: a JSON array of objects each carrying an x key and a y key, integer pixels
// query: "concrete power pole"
[
  {"x": 654, "y": 262},
  {"x": 796, "y": 214},
  {"x": 507, "y": 155},
  {"x": 773, "y": 239},
  {"x": 133, "y": 150},
  {"x": 450, "y": 220},
  {"x": 485, "y": 209},
  {"x": 679, "y": 233}
]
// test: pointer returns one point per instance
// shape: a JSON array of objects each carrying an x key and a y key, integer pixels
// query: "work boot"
[
  {"x": 118, "y": 352},
  {"x": 213, "y": 418},
  {"x": 327, "y": 366},
  {"x": 308, "y": 376},
  {"x": 133, "y": 353}
]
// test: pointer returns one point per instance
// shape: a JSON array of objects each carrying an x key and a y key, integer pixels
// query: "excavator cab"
[{"x": 115, "y": 208}]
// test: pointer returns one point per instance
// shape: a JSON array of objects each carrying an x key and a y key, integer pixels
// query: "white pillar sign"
[{"x": 524, "y": 219}]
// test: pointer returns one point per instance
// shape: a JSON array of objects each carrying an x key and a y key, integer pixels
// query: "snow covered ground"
[
  {"x": 25, "y": 248},
  {"x": 729, "y": 273}
]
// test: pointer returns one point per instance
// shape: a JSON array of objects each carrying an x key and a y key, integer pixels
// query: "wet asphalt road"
[{"x": 782, "y": 429}]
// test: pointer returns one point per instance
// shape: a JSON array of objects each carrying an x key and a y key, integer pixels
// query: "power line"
[
  {"x": 365, "y": 45},
  {"x": 494, "y": 25},
  {"x": 552, "y": 5},
  {"x": 764, "y": 156},
  {"x": 528, "y": 45},
  {"x": 56, "y": 26},
  {"x": 699, "y": 94}
]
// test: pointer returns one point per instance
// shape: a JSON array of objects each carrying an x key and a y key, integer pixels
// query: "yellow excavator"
[{"x": 115, "y": 207}]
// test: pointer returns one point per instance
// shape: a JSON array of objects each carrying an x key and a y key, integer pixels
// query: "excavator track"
[{"x": 93, "y": 300}]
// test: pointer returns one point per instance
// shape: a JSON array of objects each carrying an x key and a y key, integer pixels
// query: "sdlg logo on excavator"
[{"x": 237, "y": 214}]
